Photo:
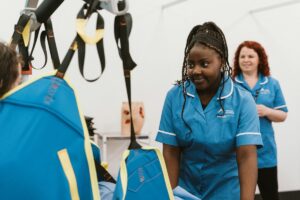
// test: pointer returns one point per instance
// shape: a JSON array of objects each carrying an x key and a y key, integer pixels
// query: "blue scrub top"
[
  {"x": 267, "y": 92},
  {"x": 208, "y": 167}
]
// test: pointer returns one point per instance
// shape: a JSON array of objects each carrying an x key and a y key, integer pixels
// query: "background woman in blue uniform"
[
  {"x": 251, "y": 71},
  {"x": 209, "y": 127}
]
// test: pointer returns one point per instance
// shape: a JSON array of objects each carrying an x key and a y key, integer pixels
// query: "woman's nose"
[
  {"x": 246, "y": 59},
  {"x": 197, "y": 69}
]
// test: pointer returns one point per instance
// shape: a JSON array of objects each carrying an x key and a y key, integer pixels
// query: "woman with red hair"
[{"x": 252, "y": 72}]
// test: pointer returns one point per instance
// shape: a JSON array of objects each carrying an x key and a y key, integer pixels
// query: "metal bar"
[
  {"x": 172, "y": 3},
  {"x": 288, "y": 3},
  {"x": 31, "y": 4}
]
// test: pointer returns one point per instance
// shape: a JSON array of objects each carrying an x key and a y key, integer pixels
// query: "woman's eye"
[
  {"x": 190, "y": 65},
  {"x": 203, "y": 64}
]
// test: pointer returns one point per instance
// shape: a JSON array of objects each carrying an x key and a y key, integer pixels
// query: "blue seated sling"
[
  {"x": 143, "y": 175},
  {"x": 45, "y": 151}
]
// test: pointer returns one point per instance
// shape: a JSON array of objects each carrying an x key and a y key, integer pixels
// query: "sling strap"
[
  {"x": 102, "y": 173},
  {"x": 81, "y": 38},
  {"x": 84, "y": 39},
  {"x": 122, "y": 27},
  {"x": 20, "y": 37},
  {"x": 49, "y": 34}
]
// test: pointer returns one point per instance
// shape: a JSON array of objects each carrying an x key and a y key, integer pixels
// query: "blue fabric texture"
[
  {"x": 145, "y": 179},
  {"x": 182, "y": 194},
  {"x": 267, "y": 91},
  {"x": 208, "y": 167},
  {"x": 106, "y": 190},
  {"x": 36, "y": 122}
]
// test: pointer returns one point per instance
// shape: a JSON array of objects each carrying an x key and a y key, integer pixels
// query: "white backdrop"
[{"x": 157, "y": 42}]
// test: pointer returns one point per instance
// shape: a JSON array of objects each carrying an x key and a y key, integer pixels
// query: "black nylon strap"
[
  {"x": 99, "y": 45},
  {"x": 123, "y": 25},
  {"x": 103, "y": 174},
  {"x": 23, "y": 50},
  {"x": 77, "y": 43},
  {"x": 30, "y": 58},
  {"x": 17, "y": 40},
  {"x": 43, "y": 44},
  {"x": 67, "y": 59},
  {"x": 49, "y": 34},
  {"x": 19, "y": 27},
  {"x": 52, "y": 44}
]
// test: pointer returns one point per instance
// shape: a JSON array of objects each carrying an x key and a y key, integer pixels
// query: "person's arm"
[
  {"x": 172, "y": 159},
  {"x": 247, "y": 166},
  {"x": 272, "y": 114}
]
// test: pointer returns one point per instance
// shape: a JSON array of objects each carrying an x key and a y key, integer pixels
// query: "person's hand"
[{"x": 262, "y": 110}]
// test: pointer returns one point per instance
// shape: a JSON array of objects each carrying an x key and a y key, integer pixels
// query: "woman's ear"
[
  {"x": 222, "y": 68},
  {"x": 223, "y": 65}
]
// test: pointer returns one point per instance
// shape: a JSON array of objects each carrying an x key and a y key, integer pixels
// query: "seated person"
[{"x": 10, "y": 69}]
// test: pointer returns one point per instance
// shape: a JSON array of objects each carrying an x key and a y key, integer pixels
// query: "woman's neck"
[
  {"x": 206, "y": 95},
  {"x": 251, "y": 78}
]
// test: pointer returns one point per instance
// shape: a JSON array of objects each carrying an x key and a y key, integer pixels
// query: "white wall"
[{"x": 157, "y": 42}]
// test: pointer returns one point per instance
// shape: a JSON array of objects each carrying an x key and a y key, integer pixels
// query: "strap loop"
[{"x": 81, "y": 24}]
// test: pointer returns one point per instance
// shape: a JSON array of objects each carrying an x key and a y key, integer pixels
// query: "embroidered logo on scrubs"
[
  {"x": 264, "y": 91},
  {"x": 225, "y": 113}
]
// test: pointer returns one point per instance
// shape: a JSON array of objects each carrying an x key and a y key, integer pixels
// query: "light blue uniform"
[
  {"x": 208, "y": 167},
  {"x": 267, "y": 92}
]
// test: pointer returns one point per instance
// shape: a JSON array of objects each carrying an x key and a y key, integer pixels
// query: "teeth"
[{"x": 199, "y": 79}]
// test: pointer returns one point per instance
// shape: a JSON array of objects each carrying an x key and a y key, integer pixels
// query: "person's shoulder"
[
  {"x": 273, "y": 82},
  {"x": 241, "y": 92},
  {"x": 176, "y": 86},
  {"x": 239, "y": 89},
  {"x": 272, "y": 79},
  {"x": 175, "y": 89},
  {"x": 242, "y": 97}
]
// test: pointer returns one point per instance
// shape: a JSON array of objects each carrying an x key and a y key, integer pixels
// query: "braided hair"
[{"x": 210, "y": 35}]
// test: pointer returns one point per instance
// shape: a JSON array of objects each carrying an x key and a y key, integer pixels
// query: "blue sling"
[
  {"x": 143, "y": 175},
  {"x": 45, "y": 151}
]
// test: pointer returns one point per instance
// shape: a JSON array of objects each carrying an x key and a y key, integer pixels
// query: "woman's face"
[
  {"x": 248, "y": 60},
  {"x": 204, "y": 67}
]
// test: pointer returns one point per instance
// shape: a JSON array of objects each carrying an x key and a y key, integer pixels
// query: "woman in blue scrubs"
[
  {"x": 252, "y": 72},
  {"x": 209, "y": 127}
]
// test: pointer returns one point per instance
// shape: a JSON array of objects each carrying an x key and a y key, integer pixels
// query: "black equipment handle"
[{"x": 46, "y": 9}]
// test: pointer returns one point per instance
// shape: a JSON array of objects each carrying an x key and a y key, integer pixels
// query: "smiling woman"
[
  {"x": 209, "y": 136},
  {"x": 203, "y": 68},
  {"x": 10, "y": 70},
  {"x": 252, "y": 72}
]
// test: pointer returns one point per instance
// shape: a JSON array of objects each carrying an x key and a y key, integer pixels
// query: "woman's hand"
[
  {"x": 272, "y": 114},
  {"x": 262, "y": 110}
]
